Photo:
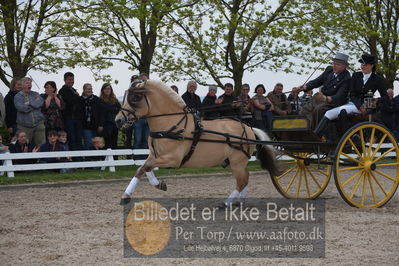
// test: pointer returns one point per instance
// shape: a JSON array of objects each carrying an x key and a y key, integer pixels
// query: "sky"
[{"x": 121, "y": 73}]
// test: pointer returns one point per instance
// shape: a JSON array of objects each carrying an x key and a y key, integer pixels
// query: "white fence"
[{"x": 109, "y": 161}]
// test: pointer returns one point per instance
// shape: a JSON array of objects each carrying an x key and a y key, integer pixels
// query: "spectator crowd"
[{"x": 61, "y": 120}]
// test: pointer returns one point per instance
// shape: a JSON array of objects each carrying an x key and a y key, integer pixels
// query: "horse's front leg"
[
  {"x": 132, "y": 186},
  {"x": 146, "y": 169}
]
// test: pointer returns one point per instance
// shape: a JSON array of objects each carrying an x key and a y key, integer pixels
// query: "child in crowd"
[
  {"x": 62, "y": 138},
  {"x": 53, "y": 144},
  {"x": 98, "y": 144},
  {"x": 22, "y": 145},
  {"x": 3, "y": 149}
]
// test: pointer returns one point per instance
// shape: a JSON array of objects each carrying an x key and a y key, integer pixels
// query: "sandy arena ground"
[{"x": 82, "y": 224}]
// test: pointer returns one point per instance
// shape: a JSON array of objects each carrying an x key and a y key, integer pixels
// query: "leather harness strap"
[
  {"x": 198, "y": 131},
  {"x": 196, "y": 137}
]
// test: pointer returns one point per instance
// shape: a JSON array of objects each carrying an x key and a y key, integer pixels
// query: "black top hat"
[{"x": 367, "y": 59}]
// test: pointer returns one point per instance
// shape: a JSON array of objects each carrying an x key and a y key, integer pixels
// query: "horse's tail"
[{"x": 266, "y": 153}]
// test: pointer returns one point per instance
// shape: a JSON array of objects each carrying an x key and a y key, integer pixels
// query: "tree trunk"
[{"x": 237, "y": 77}]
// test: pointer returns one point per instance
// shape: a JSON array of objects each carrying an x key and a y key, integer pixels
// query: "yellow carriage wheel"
[
  {"x": 366, "y": 166},
  {"x": 302, "y": 177}
]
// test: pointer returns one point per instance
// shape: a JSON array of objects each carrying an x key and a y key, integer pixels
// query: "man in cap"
[
  {"x": 361, "y": 83},
  {"x": 334, "y": 83}
]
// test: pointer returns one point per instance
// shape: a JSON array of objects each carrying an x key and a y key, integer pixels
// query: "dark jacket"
[
  {"x": 226, "y": 109},
  {"x": 95, "y": 158},
  {"x": 295, "y": 104},
  {"x": 93, "y": 115},
  {"x": 109, "y": 111},
  {"x": 337, "y": 88},
  {"x": 47, "y": 147},
  {"x": 358, "y": 90},
  {"x": 18, "y": 148},
  {"x": 11, "y": 111},
  {"x": 73, "y": 105},
  {"x": 209, "y": 107},
  {"x": 389, "y": 108},
  {"x": 192, "y": 100}
]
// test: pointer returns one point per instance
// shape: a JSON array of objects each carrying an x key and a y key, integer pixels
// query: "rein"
[{"x": 205, "y": 108}]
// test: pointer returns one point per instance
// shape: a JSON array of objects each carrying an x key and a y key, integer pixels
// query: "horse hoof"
[
  {"x": 236, "y": 204},
  {"x": 124, "y": 201},
  {"x": 162, "y": 186},
  {"x": 221, "y": 206}
]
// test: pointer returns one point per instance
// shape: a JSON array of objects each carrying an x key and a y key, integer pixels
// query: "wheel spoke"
[
  {"x": 385, "y": 175},
  {"x": 299, "y": 183},
  {"x": 388, "y": 164},
  {"x": 314, "y": 178},
  {"x": 287, "y": 172},
  {"x": 382, "y": 155},
  {"x": 356, "y": 185},
  {"x": 378, "y": 183},
  {"x": 378, "y": 146},
  {"x": 364, "y": 188},
  {"x": 351, "y": 178},
  {"x": 371, "y": 141},
  {"x": 354, "y": 146},
  {"x": 362, "y": 141},
  {"x": 306, "y": 183},
  {"x": 318, "y": 170},
  {"x": 288, "y": 163},
  {"x": 350, "y": 168},
  {"x": 372, "y": 188},
  {"x": 291, "y": 181},
  {"x": 350, "y": 157}
]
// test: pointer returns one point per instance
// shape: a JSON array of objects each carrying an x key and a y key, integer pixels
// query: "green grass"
[{"x": 121, "y": 172}]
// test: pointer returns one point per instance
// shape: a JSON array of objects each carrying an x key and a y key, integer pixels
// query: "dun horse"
[{"x": 179, "y": 138}]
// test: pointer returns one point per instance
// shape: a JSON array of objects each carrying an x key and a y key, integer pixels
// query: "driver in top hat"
[
  {"x": 334, "y": 83},
  {"x": 361, "y": 83}
]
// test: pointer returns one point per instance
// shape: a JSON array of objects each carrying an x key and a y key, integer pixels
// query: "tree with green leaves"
[
  {"x": 354, "y": 27},
  {"x": 123, "y": 31},
  {"x": 222, "y": 40},
  {"x": 32, "y": 38}
]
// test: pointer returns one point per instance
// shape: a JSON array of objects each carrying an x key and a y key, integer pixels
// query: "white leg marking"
[
  {"x": 232, "y": 197},
  {"x": 152, "y": 179},
  {"x": 132, "y": 186},
  {"x": 243, "y": 194}
]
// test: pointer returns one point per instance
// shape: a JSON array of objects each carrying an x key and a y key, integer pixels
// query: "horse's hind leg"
[{"x": 242, "y": 176}]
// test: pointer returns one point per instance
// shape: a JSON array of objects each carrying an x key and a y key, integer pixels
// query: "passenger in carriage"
[
  {"x": 335, "y": 82},
  {"x": 360, "y": 84},
  {"x": 280, "y": 102}
]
